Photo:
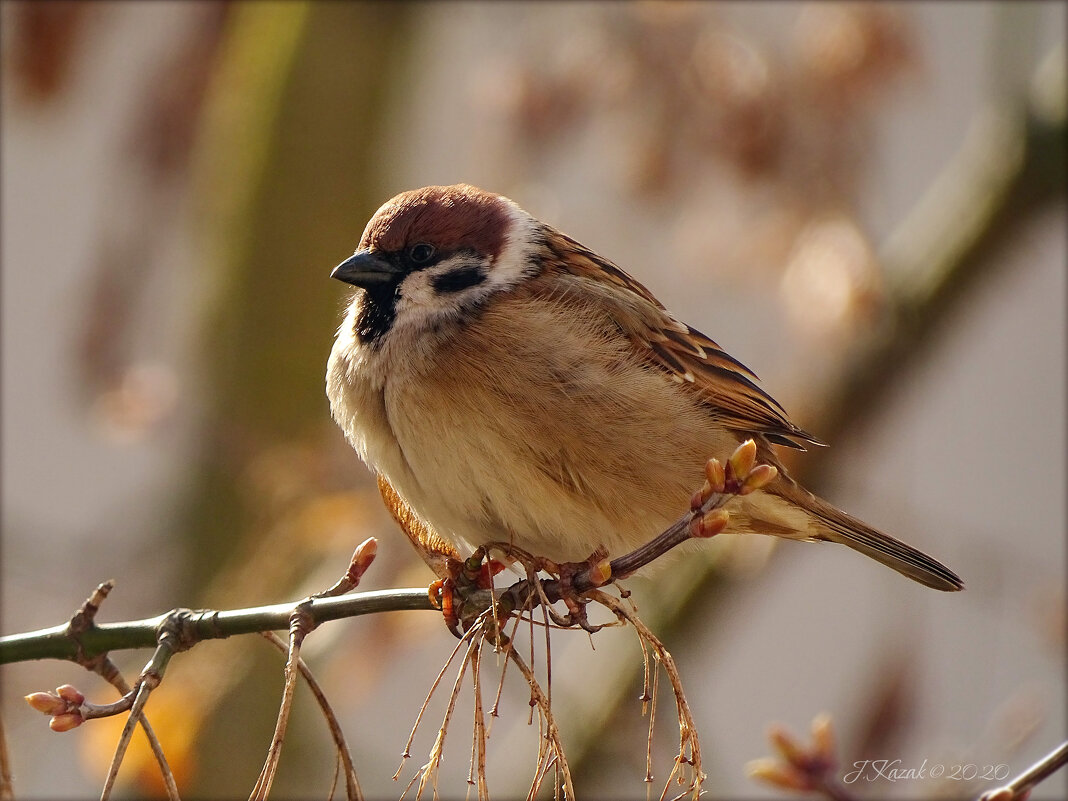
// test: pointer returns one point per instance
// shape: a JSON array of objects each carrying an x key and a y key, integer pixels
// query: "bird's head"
[{"x": 434, "y": 253}]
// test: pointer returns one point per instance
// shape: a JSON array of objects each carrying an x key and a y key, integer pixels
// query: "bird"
[{"x": 506, "y": 383}]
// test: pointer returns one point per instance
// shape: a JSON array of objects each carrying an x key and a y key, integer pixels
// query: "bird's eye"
[{"x": 421, "y": 253}]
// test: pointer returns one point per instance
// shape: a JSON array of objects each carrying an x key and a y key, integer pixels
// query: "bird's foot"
[
  {"x": 453, "y": 594},
  {"x": 598, "y": 572}
]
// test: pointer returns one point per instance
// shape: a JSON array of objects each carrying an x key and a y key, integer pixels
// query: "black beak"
[{"x": 365, "y": 269}]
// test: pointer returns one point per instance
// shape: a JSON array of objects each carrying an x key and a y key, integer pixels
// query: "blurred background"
[{"x": 864, "y": 203}]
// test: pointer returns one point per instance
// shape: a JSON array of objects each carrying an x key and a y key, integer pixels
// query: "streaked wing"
[{"x": 725, "y": 385}]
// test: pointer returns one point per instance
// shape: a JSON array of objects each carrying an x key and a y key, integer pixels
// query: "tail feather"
[
  {"x": 834, "y": 525},
  {"x": 897, "y": 555}
]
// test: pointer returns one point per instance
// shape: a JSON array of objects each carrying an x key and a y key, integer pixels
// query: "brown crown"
[{"x": 447, "y": 217}]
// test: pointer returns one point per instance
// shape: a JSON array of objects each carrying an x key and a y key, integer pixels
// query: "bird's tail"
[
  {"x": 834, "y": 525},
  {"x": 918, "y": 566}
]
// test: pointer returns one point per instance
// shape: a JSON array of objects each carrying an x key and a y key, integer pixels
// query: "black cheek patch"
[{"x": 456, "y": 280}]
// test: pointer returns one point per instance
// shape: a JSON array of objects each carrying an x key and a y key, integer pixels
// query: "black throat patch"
[{"x": 378, "y": 311}]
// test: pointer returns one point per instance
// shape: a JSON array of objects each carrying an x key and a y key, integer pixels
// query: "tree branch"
[{"x": 59, "y": 642}]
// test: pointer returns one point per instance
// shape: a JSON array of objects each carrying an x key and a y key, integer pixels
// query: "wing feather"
[{"x": 726, "y": 386}]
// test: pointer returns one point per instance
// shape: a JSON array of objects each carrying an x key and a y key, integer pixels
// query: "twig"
[
  {"x": 302, "y": 623},
  {"x": 801, "y": 768},
  {"x": 689, "y": 745},
  {"x": 7, "y": 785},
  {"x": 429, "y": 771},
  {"x": 68, "y": 706},
  {"x": 478, "y": 734},
  {"x": 554, "y": 749},
  {"x": 299, "y": 626},
  {"x": 119, "y": 683},
  {"x": 407, "y": 753},
  {"x": 352, "y": 783},
  {"x": 89, "y": 640},
  {"x": 149, "y": 680},
  {"x": 1018, "y": 788}
]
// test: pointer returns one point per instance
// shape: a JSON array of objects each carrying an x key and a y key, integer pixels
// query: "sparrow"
[{"x": 507, "y": 383}]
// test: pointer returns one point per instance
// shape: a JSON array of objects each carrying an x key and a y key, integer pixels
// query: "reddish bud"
[
  {"x": 758, "y": 478},
  {"x": 743, "y": 459},
  {"x": 823, "y": 736},
  {"x": 699, "y": 497},
  {"x": 775, "y": 773},
  {"x": 46, "y": 703},
  {"x": 716, "y": 475},
  {"x": 66, "y": 721},
  {"x": 787, "y": 746},
  {"x": 70, "y": 693},
  {"x": 366, "y": 552},
  {"x": 711, "y": 524}
]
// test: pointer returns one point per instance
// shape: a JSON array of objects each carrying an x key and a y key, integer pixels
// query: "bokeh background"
[{"x": 864, "y": 203}]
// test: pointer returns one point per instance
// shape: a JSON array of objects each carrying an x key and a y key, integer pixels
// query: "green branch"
[{"x": 61, "y": 642}]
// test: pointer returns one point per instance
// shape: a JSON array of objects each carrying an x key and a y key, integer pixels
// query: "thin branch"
[
  {"x": 407, "y": 753},
  {"x": 352, "y": 784},
  {"x": 116, "y": 680},
  {"x": 197, "y": 625},
  {"x": 297, "y": 630},
  {"x": 301, "y": 624},
  {"x": 800, "y": 767},
  {"x": 1018, "y": 788},
  {"x": 689, "y": 753},
  {"x": 136, "y": 712},
  {"x": 554, "y": 747},
  {"x": 7, "y": 785}
]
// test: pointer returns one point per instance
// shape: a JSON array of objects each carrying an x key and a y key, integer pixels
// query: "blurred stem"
[
  {"x": 289, "y": 167},
  {"x": 1020, "y": 787},
  {"x": 286, "y": 170},
  {"x": 1009, "y": 169}
]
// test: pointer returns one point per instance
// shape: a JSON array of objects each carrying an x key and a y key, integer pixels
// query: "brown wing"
[{"x": 725, "y": 385}]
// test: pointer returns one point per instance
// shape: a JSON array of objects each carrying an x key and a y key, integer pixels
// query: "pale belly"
[{"x": 558, "y": 462}]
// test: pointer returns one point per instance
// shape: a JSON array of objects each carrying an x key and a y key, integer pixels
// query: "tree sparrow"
[{"x": 507, "y": 383}]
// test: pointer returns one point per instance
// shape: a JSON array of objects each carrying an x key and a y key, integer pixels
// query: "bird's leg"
[{"x": 463, "y": 579}]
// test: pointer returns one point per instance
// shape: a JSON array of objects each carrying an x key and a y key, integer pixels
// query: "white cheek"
[
  {"x": 420, "y": 305},
  {"x": 513, "y": 262},
  {"x": 416, "y": 293}
]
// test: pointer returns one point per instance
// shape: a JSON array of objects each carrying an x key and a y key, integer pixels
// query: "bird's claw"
[{"x": 451, "y": 594}]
